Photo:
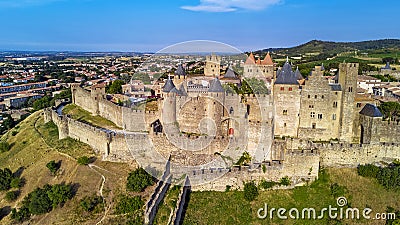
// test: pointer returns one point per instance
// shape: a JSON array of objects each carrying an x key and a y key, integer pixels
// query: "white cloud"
[{"x": 231, "y": 5}]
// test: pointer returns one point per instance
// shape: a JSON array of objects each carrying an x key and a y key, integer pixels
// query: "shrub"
[
  {"x": 52, "y": 166},
  {"x": 4, "y": 147},
  {"x": 5, "y": 179},
  {"x": 59, "y": 194},
  {"x": 285, "y": 181},
  {"x": 138, "y": 180},
  {"x": 38, "y": 202},
  {"x": 12, "y": 196},
  {"x": 368, "y": 170},
  {"x": 84, "y": 160},
  {"x": 388, "y": 177},
  {"x": 128, "y": 204},
  {"x": 267, "y": 184},
  {"x": 42, "y": 200},
  {"x": 250, "y": 191},
  {"x": 17, "y": 182},
  {"x": 21, "y": 215},
  {"x": 228, "y": 188},
  {"x": 14, "y": 132},
  {"x": 89, "y": 203}
]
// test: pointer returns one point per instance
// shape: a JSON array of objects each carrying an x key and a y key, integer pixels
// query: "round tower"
[{"x": 169, "y": 102}]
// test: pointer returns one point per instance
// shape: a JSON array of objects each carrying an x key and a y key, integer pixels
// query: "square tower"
[
  {"x": 213, "y": 66},
  {"x": 348, "y": 73}
]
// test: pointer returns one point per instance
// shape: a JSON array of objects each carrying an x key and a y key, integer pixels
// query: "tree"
[
  {"x": 59, "y": 194},
  {"x": 38, "y": 201},
  {"x": 250, "y": 191},
  {"x": 128, "y": 204},
  {"x": 89, "y": 203},
  {"x": 115, "y": 87},
  {"x": 84, "y": 160},
  {"x": 12, "y": 196},
  {"x": 16, "y": 182},
  {"x": 21, "y": 215},
  {"x": 4, "y": 147},
  {"x": 138, "y": 180},
  {"x": 64, "y": 94},
  {"x": 8, "y": 123},
  {"x": 42, "y": 103},
  {"x": 390, "y": 110},
  {"x": 5, "y": 179},
  {"x": 257, "y": 86},
  {"x": 42, "y": 200},
  {"x": 52, "y": 166}
]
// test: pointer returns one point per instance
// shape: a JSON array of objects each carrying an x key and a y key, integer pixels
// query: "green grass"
[
  {"x": 231, "y": 208},
  {"x": 167, "y": 205},
  {"x": 80, "y": 114},
  {"x": 68, "y": 145},
  {"x": 34, "y": 146}
]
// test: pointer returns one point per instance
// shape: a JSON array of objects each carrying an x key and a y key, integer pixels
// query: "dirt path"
[
  {"x": 106, "y": 209},
  {"x": 91, "y": 166}
]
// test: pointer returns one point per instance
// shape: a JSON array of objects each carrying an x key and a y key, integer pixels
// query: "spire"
[
  {"x": 286, "y": 75},
  {"x": 180, "y": 71},
  {"x": 250, "y": 60},
  {"x": 216, "y": 86},
  {"x": 169, "y": 85},
  {"x": 267, "y": 60},
  {"x": 230, "y": 73},
  {"x": 298, "y": 75},
  {"x": 258, "y": 61},
  {"x": 287, "y": 59},
  {"x": 182, "y": 90},
  {"x": 322, "y": 67}
]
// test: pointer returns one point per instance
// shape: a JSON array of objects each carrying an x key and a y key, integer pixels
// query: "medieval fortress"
[{"x": 202, "y": 130}]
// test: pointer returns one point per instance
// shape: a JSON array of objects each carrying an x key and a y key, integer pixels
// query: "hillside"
[
  {"x": 318, "y": 46},
  {"x": 230, "y": 207},
  {"x": 317, "y": 49},
  {"x": 34, "y": 144}
]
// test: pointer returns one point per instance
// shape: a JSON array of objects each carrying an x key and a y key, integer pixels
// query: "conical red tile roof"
[
  {"x": 250, "y": 60},
  {"x": 267, "y": 60}
]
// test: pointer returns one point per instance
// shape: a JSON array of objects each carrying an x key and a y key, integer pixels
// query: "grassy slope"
[
  {"x": 231, "y": 208},
  {"x": 80, "y": 114},
  {"x": 168, "y": 205},
  {"x": 31, "y": 152}
]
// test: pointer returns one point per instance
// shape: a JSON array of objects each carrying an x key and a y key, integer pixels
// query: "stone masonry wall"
[
  {"x": 352, "y": 155},
  {"x": 300, "y": 167}
]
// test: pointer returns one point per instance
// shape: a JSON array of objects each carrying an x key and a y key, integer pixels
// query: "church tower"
[{"x": 348, "y": 81}]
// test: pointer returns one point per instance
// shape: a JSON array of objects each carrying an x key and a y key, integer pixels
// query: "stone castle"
[{"x": 204, "y": 131}]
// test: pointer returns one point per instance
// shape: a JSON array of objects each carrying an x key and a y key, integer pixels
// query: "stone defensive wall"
[
  {"x": 124, "y": 117},
  {"x": 299, "y": 166},
  {"x": 352, "y": 155},
  {"x": 111, "y": 145},
  {"x": 389, "y": 131}
]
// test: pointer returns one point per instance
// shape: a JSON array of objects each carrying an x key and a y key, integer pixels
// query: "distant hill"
[{"x": 329, "y": 48}]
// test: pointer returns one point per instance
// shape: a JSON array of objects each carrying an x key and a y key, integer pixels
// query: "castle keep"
[{"x": 206, "y": 130}]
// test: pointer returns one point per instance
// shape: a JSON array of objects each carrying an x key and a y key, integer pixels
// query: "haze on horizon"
[{"x": 149, "y": 26}]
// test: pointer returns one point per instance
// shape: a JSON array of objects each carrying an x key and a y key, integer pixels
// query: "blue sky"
[{"x": 138, "y": 25}]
